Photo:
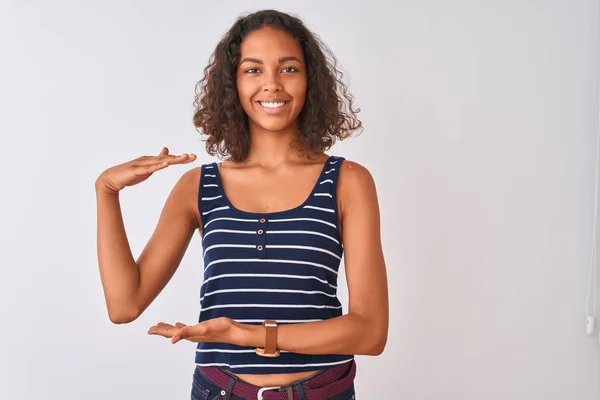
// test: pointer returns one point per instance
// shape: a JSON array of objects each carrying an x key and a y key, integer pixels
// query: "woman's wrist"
[
  {"x": 102, "y": 188},
  {"x": 247, "y": 335}
]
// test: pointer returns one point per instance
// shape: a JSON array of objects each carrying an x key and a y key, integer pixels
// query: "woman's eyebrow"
[
  {"x": 249, "y": 59},
  {"x": 281, "y": 60},
  {"x": 289, "y": 58}
]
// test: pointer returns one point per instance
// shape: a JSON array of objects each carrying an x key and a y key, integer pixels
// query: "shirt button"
[
  {"x": 260, "y": 232},
  {"x": 262, "y": 220},
  {"x": 259, "y": 247}
]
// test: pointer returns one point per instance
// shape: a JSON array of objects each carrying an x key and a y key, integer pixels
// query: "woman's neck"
[{"x": 273, "y": 147}]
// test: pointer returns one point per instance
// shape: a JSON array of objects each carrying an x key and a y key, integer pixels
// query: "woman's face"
[{"x": 271, "y": 78}]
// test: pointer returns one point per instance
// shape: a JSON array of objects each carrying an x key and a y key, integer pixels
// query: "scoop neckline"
[{"x": 273, "y": 213}]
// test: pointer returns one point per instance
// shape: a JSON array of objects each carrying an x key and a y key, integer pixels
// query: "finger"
[
  {"x": 193, "y": 338},
  {"x": 149, "y": 169},
  {"x": 168, "y": 158},
  {"x": 160, "y": 334},
  {"x": 160, "y": 326},
  {"x": 177, "y": 335},
  {"x": 160, "y": 331},
  {"x": 164, "y": 151},
  {"x": 172, "y": 160},
  {"x": 178, "y": 158},
  {"x": 183, "y": 159},
  {"x": 180, "y": 325},
  {"x": 191, "y": 157}
]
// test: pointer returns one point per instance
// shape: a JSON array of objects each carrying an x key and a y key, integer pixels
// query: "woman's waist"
[
  {"x": 279, "y": 379},
  {"x": 246, "y": 364}
]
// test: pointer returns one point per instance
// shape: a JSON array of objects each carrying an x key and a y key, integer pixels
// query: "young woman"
[{"x": 274, "y": 217}]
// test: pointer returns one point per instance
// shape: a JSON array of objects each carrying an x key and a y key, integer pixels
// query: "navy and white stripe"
[{"x": 280, "y": 265}]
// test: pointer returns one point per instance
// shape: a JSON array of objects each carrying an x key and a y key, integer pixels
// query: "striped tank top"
[{"x": 280, "y": 265}]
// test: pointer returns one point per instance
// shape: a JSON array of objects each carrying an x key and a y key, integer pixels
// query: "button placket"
[{"x": 261, "y": 238}]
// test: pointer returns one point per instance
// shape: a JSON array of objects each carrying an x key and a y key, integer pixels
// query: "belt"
[{"x": 327, "y": 384}]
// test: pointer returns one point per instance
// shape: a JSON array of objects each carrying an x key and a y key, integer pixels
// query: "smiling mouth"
[{"x": 272, "y": 107}]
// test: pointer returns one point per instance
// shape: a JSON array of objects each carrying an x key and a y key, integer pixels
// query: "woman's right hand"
[{"x": 135, "y": 171}]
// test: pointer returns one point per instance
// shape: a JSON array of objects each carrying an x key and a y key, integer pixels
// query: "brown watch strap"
[
  {"x": 271, "y": 336},
  {"x": 270, "y": 349}
]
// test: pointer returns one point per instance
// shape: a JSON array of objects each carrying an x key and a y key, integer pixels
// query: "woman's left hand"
[{"x": 220, "y": 329}]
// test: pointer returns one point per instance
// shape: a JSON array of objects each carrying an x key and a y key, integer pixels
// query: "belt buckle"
[{"x": 262, "y": 390}]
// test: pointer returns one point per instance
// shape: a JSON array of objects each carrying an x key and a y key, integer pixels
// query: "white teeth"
[{"x": 272, "y": 105}]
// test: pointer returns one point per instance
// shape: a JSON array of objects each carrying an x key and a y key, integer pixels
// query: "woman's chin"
[{"x": 273, "y": 126}]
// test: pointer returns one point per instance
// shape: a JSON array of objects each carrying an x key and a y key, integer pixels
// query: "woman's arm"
[
  {"x": 130, "y": 286},
  {"x": 364, "y": 329}
]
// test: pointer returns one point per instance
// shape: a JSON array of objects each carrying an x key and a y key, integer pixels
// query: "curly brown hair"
[{"x": 328, "y": 112}]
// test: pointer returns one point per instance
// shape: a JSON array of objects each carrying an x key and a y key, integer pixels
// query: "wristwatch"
[{"x": 270, "y": 349}]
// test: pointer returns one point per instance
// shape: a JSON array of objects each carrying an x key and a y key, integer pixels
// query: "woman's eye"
[
  {"x": 290, "y": 69},
  {"x": 251, "y": 70}
]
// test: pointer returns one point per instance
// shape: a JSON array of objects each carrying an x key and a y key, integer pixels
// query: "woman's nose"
[{"x": 272, "y": 82}]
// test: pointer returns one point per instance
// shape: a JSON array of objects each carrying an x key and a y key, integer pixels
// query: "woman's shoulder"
[
  {"x": 355, "y": 185},
  {"x": 185, "y": 192},
  {"x": 191, "y": 177},
  {"x": 354, "y": 174}
]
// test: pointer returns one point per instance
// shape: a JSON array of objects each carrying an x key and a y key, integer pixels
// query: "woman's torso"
[{"x": 252, "y": 190}]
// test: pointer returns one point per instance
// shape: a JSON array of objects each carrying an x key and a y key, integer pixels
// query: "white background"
[{"x": 480, "y": 131}]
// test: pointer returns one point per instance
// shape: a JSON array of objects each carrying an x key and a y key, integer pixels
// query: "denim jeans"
[{"x": 205, "y": 389}]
